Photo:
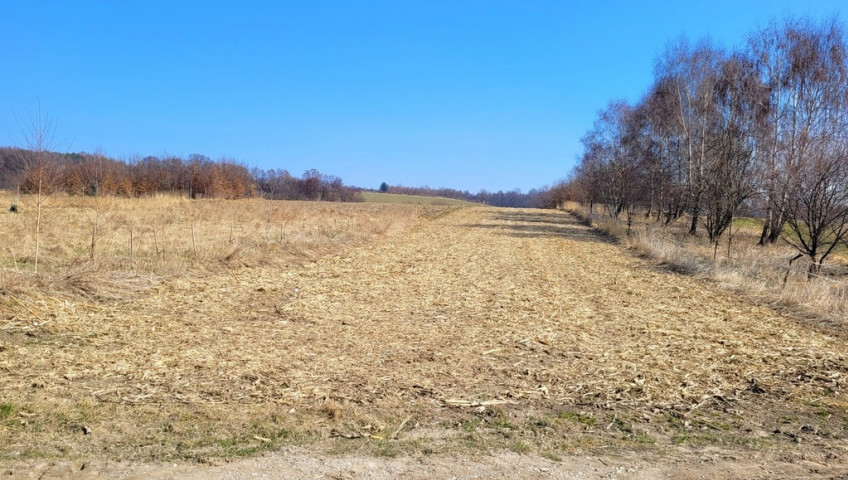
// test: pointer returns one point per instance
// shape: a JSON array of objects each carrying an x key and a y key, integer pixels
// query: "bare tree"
[
  {"x": 613, "y": 156},
  {"x": 735, "y": 117},
  {"x": 815, "y": 143},
  {"x": 586, "y": 180},
  {"x": 818, "y": 210},
  {"x": 100, "y": 208},
  {"x": 666, "y": 166},
  {"x": 769, "y": 124},
  {"x": 769, "y": 50},
  {"x": 687, "y": 75},
  {"x": 41, "y": 166}
]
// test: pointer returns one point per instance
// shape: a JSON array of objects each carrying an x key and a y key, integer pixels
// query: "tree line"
[
  {"x": 195, "y": 176},
  {"x": 761, "y": 128},
  {"x": 198, "y": 176},
  {"x": 535, "y": 198}
]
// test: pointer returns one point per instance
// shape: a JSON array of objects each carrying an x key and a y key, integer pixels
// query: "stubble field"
[{"x": 407, "y": 330}]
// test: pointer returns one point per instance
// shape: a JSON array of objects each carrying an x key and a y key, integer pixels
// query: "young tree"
[
  {"x": 99, "y": 211},
  {"x": 817, "y": 212},
  {"x": 41, "y": 167}
]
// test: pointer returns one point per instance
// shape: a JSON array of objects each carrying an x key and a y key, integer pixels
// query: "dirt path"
[
  {"x": 710, "y": 465},
  {"x": 487, "y": 328}
]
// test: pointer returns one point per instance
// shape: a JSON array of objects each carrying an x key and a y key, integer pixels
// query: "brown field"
[{"x": 391, "y": 330}]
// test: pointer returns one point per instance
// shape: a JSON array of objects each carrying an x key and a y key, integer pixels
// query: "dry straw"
[{"x": 504, "y": 316}]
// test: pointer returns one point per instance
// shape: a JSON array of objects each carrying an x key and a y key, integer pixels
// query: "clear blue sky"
[{"x": 469, "y": 95}]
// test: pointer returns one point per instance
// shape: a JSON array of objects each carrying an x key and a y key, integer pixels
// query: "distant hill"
[{"x": 378, "y": 197}]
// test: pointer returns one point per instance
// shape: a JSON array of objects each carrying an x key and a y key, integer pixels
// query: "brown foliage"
[{"x": 196, "y": 177}]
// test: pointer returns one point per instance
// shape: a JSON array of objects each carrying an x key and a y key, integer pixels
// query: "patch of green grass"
[
  {"x": 470, "y": 424},
  {"x": 536, "y": 424},
  {"x": 386, "y": 448},
  {"x": 786, "y": 419},
  {"x": 643, "y": 438},
  {"x": 822, "y": 413},
  {"x": 622, "y": 425},
  {"x": 578, "y": 418},
  {"x": 497, "y": 419},
  {"x": 473, "y": 442},
  {"x": 394, "y": 448},
  {"x": 383, "y": 447},
  {"x": 37, "y": 453},
  {"x": 551, "y": 456},
  {"x": 229, "y": 447},
  {"x": 237, "y": 450},
  {"x": 520, "y": 447},
  {"x": 749, "y": 222},
  {"x": 6, "y": 410},
  {"x": 183, "y": 436}
]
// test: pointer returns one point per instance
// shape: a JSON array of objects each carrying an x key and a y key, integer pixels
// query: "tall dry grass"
[
  {"x": 764, "y": 272},
  {"x": 107, "y": 247}
]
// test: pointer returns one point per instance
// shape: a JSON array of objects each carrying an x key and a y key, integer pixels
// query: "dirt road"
[
  {"x": 483, "y": 332},
  {"x": 709, "y": 465}
]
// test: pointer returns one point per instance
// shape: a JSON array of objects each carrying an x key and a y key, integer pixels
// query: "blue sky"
[{"x": 470, "y": 95}]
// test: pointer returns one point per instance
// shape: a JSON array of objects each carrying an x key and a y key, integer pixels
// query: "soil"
[
  {"x": 486, "y": 343},
  {"x": 295, "y": 464}
]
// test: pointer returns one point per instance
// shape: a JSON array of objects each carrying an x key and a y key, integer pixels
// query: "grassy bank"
[{"x": 737, "y": 262}]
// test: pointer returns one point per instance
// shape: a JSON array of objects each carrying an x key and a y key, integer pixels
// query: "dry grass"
[
  {"x": 143, "y": 249},
  {"x": 465, "y": 330},
  {"x": 137, "y": 241},
  {"x": 763, "y": 272}
]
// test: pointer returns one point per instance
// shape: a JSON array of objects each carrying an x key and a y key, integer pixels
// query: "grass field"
[
  {"x": 378, "y": 197},
  {"x": 167, "y": 235},
  {"x": 751, "y": 228},
  {"x": 389, "y": 330}
]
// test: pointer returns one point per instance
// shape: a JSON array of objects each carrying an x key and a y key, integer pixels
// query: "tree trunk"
[
  {"x": 815, "y": 268},
  {"x": 693, "y": 227},
  {"x": 776, "y": 228},
  {"x": 37, "y": 226},
  {"x": 766, "y": 233}
]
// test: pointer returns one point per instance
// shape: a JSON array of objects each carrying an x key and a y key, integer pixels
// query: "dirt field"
[{"x": 516, "y": 339}]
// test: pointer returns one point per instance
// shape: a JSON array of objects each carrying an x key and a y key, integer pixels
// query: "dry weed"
[
  {"x": 765, "y": 272},
  {"x": 107, "y": 248}
]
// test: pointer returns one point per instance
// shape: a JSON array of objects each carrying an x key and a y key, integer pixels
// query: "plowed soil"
[{"x": 480, "y": 331}]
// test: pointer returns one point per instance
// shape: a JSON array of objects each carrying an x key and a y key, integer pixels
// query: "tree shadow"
[{"x": 535, "y": 224}]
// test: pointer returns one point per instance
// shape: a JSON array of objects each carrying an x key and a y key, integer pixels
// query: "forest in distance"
[{"x": 198, "y": 176}]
